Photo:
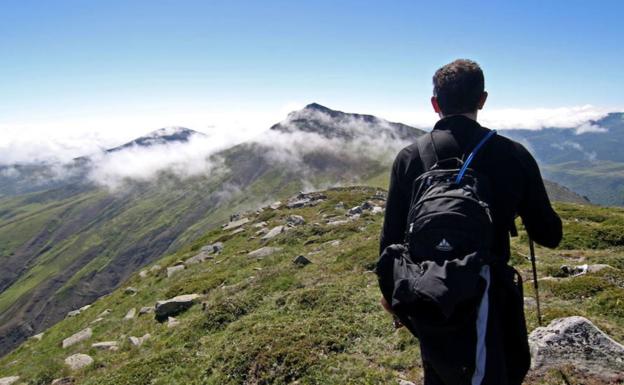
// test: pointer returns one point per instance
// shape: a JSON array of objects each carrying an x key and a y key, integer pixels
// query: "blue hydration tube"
[{"x": 462, "y": 171}]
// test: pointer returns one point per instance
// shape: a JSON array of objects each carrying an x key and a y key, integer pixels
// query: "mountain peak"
[
  {"x": 317, "y": 107},
  {"x": 165, "y": 135}
]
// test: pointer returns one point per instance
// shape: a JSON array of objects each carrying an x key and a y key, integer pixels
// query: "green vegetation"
[{"x": 269, "y": 321}]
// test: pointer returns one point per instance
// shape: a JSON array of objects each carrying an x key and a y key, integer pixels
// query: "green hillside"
[{"x": 270, "y": 321}]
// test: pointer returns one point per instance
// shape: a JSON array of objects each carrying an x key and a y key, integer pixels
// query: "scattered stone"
[
  {"x": 143, "y": 273},
  {"x": 262, "y": 231},
  {"x": 263, "y": 252},
  {"x": 339, "y": 206},
  {"x": 576, "y": 341},
  {"x": 275, "y": 205},
  {"x": 138, "y": 341},
  {"x": 146, "y": 310},
  {"x": 63, "y": 381},
  {"x": 234, "y": 217},
  {"x": 573, "y": 271},
  {"x": 338, "y": 222},
  {"x": 106, "y": 345},
  {"x": 172, "y": 322},
  {"x": 334, "y": 243},
  {"x": 214, "y": 248},
  {"x": 174, "y": 269},
  {"x": 78, "y": 361},
  {"x": 73, "y": 313},
  {"x": 174, "y": 306},
  {"x": 239, "y": 230},
  {"x": 130, "y": 314},
  {"x": 355, "y": 210},
  {"x": 199, "y": 258},
  {"x": 273, "y": 233},
  {"x": 155, "y": 268},
  {"x": 301, "y": 261},
  {"x": 260, "y": 225},
  {"x": 377, "y": 210},
  {"x": 37, "y": 337},
  {"x": 9, "y": 380},
  {"x": 130, "y": 290},
  {"x": 105, "y": 313},
  {"x": 405, "y": 382},
  {"x": 295, "y": 220},
  {"x": 235, "y": 224},
  {"x": 78, "y": 337},
  {"x": 305, "y": 200},
  {"x": 85, "y": 307},
  {"x": 96, "y": 320}
]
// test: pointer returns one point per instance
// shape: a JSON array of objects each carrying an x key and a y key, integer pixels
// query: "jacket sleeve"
[
  {"x": 540, "y": 220},
  {"x": 397, "y": 204}
]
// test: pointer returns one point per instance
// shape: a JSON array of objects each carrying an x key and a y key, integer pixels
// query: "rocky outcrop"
[
  {"x": 573, "y": 271},
  {"x": 301, "y": 261},
  {"x": 174, "y": 269},
  {"x": 295, "y": 220},
  {"x": 273, "y": 233},
  {"x": 174, "y": 306},
  {"x": 78, "y": 361},
  {"x": 9, "y": 380},
  {"x": 76, "y": 312},
  {"x": 235, "y": 224},
  {"x": 305, "y": 200},
  {"x": 576, "y": 341},
  {"x": 78, "y": 337}
]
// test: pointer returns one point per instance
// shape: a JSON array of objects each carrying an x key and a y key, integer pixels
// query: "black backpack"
[{"x": 435, "y": 280}]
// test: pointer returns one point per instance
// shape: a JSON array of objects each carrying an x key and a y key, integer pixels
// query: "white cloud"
[{"x": 538, "y": 118}]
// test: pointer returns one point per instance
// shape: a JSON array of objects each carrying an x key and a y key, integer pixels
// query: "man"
[{"x": 517, "y": 189}]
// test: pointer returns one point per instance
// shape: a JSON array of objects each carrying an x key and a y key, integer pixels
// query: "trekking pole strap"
[{"x": 462, "y": 171}]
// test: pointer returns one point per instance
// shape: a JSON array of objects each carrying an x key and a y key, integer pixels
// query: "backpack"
[{"x": 437, "y": 281}]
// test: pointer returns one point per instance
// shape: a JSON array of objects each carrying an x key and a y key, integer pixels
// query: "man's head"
[{"x": 458, "y": 88}]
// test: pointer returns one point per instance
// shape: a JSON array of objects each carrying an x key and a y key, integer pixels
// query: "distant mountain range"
[{"x": 66, "y": 240}]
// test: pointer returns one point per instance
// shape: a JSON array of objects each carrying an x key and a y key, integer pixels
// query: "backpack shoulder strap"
[{"x": 435, "y": 146}]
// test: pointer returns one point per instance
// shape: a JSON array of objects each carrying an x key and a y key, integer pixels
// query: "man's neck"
[{"x": 469, "y": 115}]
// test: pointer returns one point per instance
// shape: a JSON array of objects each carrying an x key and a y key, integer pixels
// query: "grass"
[{"x": 268, "y": 321}]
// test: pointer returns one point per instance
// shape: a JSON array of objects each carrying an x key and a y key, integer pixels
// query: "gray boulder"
[
  {"x": 37, "y": 337},
  {"x": 138, "y": 341},
  {"x": 572, "y": 271},
  {"x": 295, "y": 220},
  {"x": 214, "y": 248},
  {"x": 273, "y": 233},
  {"x": 174, "y": 306},
  {"x": 9, "y": 380},
  {"x": 130, "y": 314},
  {"x": 106, "y": 345},
  {"x": 199, "y": 258},
  {"x": 78, "y": 337},
  {"x": 578, "y": 342},
  {"x": 131, "y": 290},
  {"x": 174, "y": 269},
  {"x": 263, "y": 252},
  {"x": 146, "y": 310},
  {"x": 235, "y": 224},
  {"x": 78, "y": 361}
]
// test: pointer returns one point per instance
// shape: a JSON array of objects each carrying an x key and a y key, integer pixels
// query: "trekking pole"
[{"x": 535, "y": 286}]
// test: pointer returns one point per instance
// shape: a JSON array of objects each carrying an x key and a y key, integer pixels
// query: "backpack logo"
[{"x": 444, "y": 245}]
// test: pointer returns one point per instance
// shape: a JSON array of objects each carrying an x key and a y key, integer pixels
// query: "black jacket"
[{"x": 516, "y": 184}]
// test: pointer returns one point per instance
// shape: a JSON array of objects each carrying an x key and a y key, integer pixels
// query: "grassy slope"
[{"x": 268, "y": 321}]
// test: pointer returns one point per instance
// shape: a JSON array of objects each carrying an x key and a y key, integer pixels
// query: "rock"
[
  {"x": 130, "y": 290},
  {"x": 377, "y": 210},
  {"x": 85, "y": 307},
  {"x": 138, "y": 341},
  {"x": 78, "y": 361},
  {"x": 355, "y": 210},
  {"x": 339, "y": 206},
  {"x": 379, "y": 195},
  {"x": 63, "y": 381},
  {"x": 573, "y": 271},
  {"x": 262, "y": 231},
  {"x": 405, "y": 382},
  {"x": 174, "y": 306},
  {"x": 96, "y": 320},
  {"x": 304, "y": 200},
  {"x": 174, "y": 269},
  {"x": 9, "y": 380},
  {"x": 146, "y": 310},
  {"x": 263, "y": 252},
  {"x": 235, "y": 224},
  {"x": 298, "y": 203},
  {"x": 338, "y": 222},
  {"x": 199, "y": 258},
  {"x": 295, "y": 220},
  {"x": 143, "y": 273},
  {"x": 260, "y": 225},
  {"x": 576, "y": 341},
  {"x": 155, "y": 268},
  {"x": 214, "y": 248},
  {"x": 105, "y": 313},
  {"x": 72, "y": 313},
  {"x": 172, "y": 322},
  {"x": 275, "y": 205},
  {"x": 106, "y": 345},
  {"x": 239, "y": 230},
  {"x": 78, "y": 337},
  {"x": 234, "y": 217},
  {"x": 273, "y": 233},
  {"x": 37, "y": 337},
  {"x": 301, "y": 261},
  {"x": 130, "y": 314}
]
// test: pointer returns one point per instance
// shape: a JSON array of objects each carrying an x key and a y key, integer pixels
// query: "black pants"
[{"x": 508, "y": 356}]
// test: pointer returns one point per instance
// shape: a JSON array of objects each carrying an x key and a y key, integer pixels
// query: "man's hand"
[{"x": 395, "y": 321}]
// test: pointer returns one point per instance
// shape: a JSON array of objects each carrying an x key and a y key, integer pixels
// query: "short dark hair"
[{"x": 458, "y": 86}]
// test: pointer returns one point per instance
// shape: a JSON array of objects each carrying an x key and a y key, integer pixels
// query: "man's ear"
[
  {"x": 434, "y": 103},
  {"x": 484, "y": 96}
]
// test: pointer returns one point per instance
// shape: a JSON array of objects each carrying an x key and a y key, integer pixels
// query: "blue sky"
[{"x": 143, "y": 64}]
